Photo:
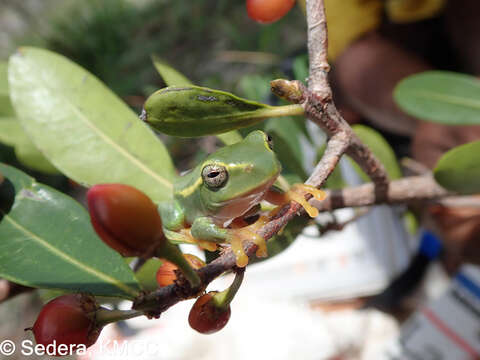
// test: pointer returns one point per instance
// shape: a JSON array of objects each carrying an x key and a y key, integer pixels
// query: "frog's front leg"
[
  {"x": 173, "y": 223},
  {"x": 205, "y": 230}
]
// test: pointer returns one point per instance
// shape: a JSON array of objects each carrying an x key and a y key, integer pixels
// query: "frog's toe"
[
  {"x": 238, "y": 236},
  {"x": 207, "y": 245},
  {"x": 297, "y": 193}
]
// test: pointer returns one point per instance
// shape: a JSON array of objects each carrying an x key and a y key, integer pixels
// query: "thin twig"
[
  {"x": 319, "y": 106},
  {"x": 338, "y": 226},
  {"x": 413, "y": 167}
]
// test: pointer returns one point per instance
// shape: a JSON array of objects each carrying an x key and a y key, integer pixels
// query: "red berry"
[
  {"x": 268, "y": 11},
  {"x": 206, "y": 317},
  {"x": 125, "y": 219},
  {"x": 67, "y": 320},
  {"x": 166, "y": 273}
]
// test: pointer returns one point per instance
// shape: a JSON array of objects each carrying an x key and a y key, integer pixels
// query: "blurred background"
[{"x": 330, "y": 294}]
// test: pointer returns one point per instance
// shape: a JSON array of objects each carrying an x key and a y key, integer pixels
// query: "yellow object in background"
[
  {"x": 347, "y": 20},
  {"x": 404, "y": 11}
]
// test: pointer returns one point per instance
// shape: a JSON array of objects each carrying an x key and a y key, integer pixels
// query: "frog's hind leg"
[{"x": 207, "y": 231}]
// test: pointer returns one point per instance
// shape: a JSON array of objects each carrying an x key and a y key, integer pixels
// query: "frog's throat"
[{"x": 236, "y": 207}]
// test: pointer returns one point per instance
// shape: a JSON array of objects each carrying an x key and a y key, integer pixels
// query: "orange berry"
[
  {"x": 125, "y": 219},
  {"x": 268, "y": 11}
]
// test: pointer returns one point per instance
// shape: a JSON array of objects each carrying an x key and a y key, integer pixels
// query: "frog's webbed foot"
[
  {"x": 236, "y": 238},
  {"x": 297, "y": 193}
]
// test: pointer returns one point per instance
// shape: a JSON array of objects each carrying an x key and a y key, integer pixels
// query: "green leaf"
[
  {"x": 12, "y": 134},
  {"x": 3, "y": 78},
  {"x": 459, "y": 169},
  {"x": 286, "y": 138},
  {"x": 46, "y": 241},
  {"x": 197, "y": 111},
  {"x": 6, "y": 108},
  {"x": 441, "y": 96},
  {"x": 381, "y": 149},
  {"x": 300, "y": 67},
  {"x": 84, "y": 129},
  {"x": 170, "y": 76},
  {"x": 147, "y": 275},
  {"x": 255, "y": 86}
]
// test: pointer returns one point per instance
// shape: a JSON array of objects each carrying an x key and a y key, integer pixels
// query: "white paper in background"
[
  {"x": 447, "y": 328},
  {"x": 360, "y": 260}
]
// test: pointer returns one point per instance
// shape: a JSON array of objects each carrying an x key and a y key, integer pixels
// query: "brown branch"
[
  {"x": 323, "y": 112},
  {"x": 405, "y": 190},
  {"x": 319, "y": 106}
]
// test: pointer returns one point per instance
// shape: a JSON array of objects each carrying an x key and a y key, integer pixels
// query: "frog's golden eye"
[
  {"x": 269, "y": 141},
  {"x": 214, "y": 176}
]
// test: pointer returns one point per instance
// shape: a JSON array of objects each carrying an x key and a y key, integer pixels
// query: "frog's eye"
[
  {"x": 269, "y": 141},
  {"x": 214, "y": 176}
]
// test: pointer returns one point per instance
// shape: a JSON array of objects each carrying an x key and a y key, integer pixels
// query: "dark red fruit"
[
  {"x": 67, "y": 320},
  {"x": 268, "y": 11},
  {"x": 166, "y": 273},
  {"x": 125, "y": 219},
  {"x": 206, "y": 317}
]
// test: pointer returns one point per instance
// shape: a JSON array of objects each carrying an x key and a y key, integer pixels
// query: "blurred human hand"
[
  {"x": 432, "y": 140},
  {"x": 460, "y": 231}
]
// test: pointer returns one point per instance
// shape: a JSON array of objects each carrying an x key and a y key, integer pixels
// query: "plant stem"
[
  {"x": 279, "y": 111},
  {"x": 174, "y": 255},
  {"x": 105, "y": 316},
  {"x": 224, "y": 298}
]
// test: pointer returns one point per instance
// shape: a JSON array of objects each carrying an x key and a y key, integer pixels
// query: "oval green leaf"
[
  {"x": 170, "y": 76},
  {"x": 381, "y": 149},
  {"x": 46, "y": 241},
  {"x": 459, "y": 169},
  {"x": 12, "y": 134},
  {"x": 84, "y": 129},
  {"x": 441, "y": 96},
  {"x": 197, "y": 111}
]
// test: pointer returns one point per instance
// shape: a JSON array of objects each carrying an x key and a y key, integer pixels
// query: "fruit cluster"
[{"x": 127, "y": 221}]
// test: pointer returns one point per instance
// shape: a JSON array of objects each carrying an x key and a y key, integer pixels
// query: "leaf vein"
[{"x": 71, "y": 260}]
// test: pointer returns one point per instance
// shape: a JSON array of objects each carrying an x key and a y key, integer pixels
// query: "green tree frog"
[{"x": 211, "y": 201}]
